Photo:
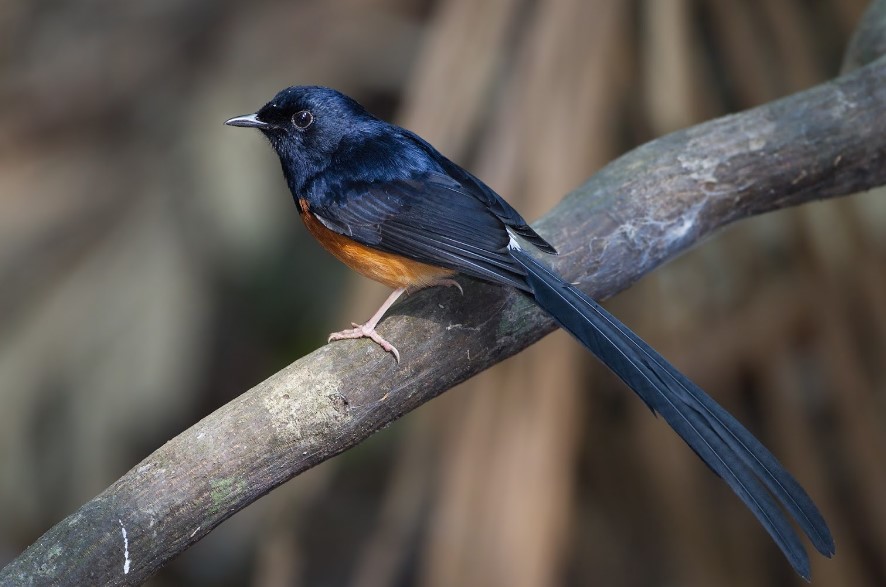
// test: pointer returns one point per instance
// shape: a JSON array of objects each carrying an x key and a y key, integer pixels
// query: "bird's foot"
[{"x": 365, "y": 331}]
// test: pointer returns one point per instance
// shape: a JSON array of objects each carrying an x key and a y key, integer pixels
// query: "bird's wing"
[
  {"x": 497, "y": 205},
  {"x": 430, "y": 218}
]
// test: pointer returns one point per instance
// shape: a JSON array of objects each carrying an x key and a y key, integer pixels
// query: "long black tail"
[{"x": 718, "y": 438}]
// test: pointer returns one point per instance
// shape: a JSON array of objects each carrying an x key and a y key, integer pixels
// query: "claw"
[
  {"x": 439, "y": 282},
  {"x": 366, "y": 331},
  {"x": 451, "y": 283}
]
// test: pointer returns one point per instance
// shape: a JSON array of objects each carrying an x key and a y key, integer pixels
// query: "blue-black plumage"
[{"x": 391, "y": 206}]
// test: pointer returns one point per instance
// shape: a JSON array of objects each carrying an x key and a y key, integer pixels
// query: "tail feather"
[{"x": 714, "y": 434}]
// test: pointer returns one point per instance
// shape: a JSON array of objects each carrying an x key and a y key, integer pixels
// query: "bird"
[{"x": 390, "y": 206}]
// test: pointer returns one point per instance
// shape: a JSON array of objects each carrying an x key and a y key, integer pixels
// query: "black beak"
[{"x": 247, "y": 120}]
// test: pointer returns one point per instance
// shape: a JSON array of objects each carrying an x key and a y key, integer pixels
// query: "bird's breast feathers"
[{"x": 392, "y": 270}]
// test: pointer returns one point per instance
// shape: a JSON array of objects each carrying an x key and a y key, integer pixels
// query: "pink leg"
[{"x": 368, "y": 330}]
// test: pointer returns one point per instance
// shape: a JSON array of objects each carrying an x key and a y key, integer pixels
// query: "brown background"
[{"x": 152, "y": 267}]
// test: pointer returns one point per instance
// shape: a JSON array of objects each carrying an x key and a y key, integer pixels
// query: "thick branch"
[{"x": 639, "y": 211}]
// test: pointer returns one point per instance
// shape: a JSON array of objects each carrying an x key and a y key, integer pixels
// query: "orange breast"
[{"x": 392, "y": 270}]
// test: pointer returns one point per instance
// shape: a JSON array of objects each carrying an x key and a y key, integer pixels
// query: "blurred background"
[{"x": 152, "y": 267}]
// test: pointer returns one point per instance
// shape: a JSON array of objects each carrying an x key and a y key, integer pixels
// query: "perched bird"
[{"x": 389, "y": 205}]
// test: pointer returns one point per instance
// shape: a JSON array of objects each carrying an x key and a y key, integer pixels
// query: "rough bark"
[{"x": 641, "y": 210}]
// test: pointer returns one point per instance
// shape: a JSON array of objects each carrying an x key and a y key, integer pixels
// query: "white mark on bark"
[
  {"x": 758, "y": 136},
  {"x": 702, "y": 170},
  {"x": 463, "y": 327},
  {"x": 685, "y": 224},
  {"x": 126, "y": 560},
  {"x": 843, "y": 103},
  {"x": 756, "y": 143}
]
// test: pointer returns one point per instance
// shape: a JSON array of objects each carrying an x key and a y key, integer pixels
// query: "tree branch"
[{"x": 639, "y": 211}]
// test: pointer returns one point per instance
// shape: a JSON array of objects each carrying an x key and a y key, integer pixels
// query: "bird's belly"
[{"x": 390, "y": 269}]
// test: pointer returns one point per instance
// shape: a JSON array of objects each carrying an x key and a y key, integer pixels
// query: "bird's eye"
[{"x": 302, "y": 119}]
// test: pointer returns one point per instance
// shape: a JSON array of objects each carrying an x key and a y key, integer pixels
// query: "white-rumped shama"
[{"x": 389, "y": 205}]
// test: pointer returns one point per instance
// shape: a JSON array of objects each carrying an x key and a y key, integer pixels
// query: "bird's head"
[{"x": 306, "y": 125}]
